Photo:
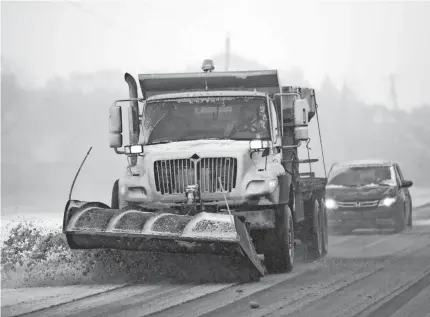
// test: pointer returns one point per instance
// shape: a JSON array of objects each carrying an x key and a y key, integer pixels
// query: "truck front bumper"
[{"x": 258, "y": 219}]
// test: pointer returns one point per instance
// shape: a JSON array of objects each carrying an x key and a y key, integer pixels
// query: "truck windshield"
[
  {"x": 196, "y": 118},
  {"x": 358, "y": 176}
]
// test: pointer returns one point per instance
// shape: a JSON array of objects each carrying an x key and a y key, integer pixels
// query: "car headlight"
[
  {"x": 330, "y": 204},
  {"x": 387, "y": 202},
  {"x": 261, "y": 187}
]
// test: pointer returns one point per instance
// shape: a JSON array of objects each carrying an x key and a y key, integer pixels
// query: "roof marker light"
[{"x": 208, "y": 65}]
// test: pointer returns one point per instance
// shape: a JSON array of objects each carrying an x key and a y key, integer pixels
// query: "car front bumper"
[{"x": 374, "y": 218}]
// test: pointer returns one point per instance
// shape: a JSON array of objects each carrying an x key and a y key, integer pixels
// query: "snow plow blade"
[{"x": 93, "y": 225}]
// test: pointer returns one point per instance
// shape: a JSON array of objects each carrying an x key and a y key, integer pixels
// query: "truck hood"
[
  {"x": 342, "y": 193},
  {"x": 203, "y": 148},
  {"x": 255, "y": 168}
]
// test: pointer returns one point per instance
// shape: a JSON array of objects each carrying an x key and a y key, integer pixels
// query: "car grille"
[
  {"x": 358, "y": 204},
  {"x": 173, "y": 176}
]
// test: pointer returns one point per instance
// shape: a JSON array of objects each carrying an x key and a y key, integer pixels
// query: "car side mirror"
[{"x": 406, "y": 184}]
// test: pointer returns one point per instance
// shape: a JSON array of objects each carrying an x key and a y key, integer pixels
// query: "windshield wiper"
[
  {"x": 185, "y": 140},
  {"x": 159, "y": 142},
  {"x": 194, "y": 139}
]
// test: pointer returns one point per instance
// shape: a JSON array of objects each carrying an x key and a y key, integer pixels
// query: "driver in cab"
[
  {"x": 249, "y": 125},
  {"x": 382, "y": 175}
]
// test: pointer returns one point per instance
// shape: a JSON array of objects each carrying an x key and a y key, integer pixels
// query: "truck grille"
[
  {"x": 173, "y": 176},
  {"x": 358, "y": 204}
]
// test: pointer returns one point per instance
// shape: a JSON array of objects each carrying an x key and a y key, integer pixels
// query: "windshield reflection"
[{"x": 361, "y": 176}]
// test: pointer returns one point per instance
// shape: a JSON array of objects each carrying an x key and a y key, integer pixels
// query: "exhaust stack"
[{"x": 133, "y": 112}]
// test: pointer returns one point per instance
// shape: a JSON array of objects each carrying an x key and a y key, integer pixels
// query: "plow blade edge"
[{"x": 93, "y": 225}]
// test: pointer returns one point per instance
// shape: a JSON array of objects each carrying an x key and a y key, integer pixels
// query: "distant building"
[{"x": 382, "y": 116}]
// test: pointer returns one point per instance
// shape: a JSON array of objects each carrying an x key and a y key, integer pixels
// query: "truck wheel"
[
  {"x": 248, "y": 276},
  {"x": 324, "y": 226},
  {"x": 280, "y": 258},
  {"x": 115, "y": 195},
  {"x": 313, "y": 229}
]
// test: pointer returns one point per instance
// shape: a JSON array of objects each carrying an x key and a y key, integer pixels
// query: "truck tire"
[
  {"x": 115, "y": 195},
  {"x": 247, "y": 276},
  {"x": 313, "y": 229},
  {"x": 280, "y": 258},
  {"x": 324, "y": 224}
]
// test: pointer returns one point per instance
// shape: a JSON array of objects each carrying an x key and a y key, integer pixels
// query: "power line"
[
  {"x": 393, "y": 91},
  {"x": 110, "y": 23},
  {"x": 227, "y": 52}
]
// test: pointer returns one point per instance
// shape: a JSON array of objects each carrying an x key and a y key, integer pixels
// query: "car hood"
[{"x": 341, "y": 193}]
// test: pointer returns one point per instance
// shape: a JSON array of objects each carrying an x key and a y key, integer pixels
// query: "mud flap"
[
  {"x": 93, "y": 225},
  {"x": 284, "y": 181}
]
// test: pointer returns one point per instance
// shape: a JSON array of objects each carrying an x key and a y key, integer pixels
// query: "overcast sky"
[{"x": 361, "y": 43}]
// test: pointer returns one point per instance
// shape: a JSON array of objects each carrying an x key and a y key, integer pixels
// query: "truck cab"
[{"x": 224, "y": 142}]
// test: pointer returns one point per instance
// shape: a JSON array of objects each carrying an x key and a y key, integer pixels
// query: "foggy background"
[{"x": 63, "y": 65}]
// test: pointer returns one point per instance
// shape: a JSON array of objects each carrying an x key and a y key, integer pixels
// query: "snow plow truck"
[{"x": 213, "y": 168}]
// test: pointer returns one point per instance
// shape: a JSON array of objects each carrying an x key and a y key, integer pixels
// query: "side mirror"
[
  {"x": 115, "y": 127},
  {"x": 406, "y": 184},
  {"x": 301, "y": 110},
  {"x": 259, "y": 144}
]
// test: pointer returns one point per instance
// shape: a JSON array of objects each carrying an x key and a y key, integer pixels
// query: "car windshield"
[
  {"x": 184, "y": 119},
  {"x": 357, "y": 176}
]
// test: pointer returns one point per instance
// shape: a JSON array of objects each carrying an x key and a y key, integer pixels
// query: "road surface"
[{"x": 363, "y": 275}]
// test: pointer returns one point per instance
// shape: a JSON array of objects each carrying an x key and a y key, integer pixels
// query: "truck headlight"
[
  {"x": 122, "y": 189},
  {"x": 261, "y": 187},
  {"x": 387, "y": 202},
  {"x": 331, "y": 204},
  {"x": 273, "y": 183}
]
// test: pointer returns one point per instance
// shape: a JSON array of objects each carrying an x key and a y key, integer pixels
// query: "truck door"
[{"x": 275, "y": 132}]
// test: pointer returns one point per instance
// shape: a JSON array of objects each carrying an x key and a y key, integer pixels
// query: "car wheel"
[
  {"x": 400, "y": 220},
  {"x": 410, "y": 216}
]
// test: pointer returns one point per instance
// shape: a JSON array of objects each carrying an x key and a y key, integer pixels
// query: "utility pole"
[
  {"x": 393, "y": 91},
  {"x": 227, "y": 52}
]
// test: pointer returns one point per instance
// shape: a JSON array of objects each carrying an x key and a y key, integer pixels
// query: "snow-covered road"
[{"x": 363, "y": 275}]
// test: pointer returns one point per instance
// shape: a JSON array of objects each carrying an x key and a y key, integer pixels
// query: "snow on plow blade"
[{"x": 93, "y": 225}]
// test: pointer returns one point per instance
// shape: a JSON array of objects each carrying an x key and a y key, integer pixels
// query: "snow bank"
[
  {"x": 420, "y": 196},
  {"x": 39, "y": 256}
]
